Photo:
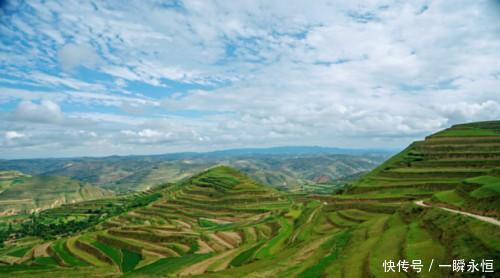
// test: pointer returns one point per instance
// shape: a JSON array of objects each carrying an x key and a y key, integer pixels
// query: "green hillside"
[
  {"x": 459, "y": 167},
  {"x": 20, "y": 193},
  {"x": 222, "y": 223},
  {"x": 219, "y": 211}
]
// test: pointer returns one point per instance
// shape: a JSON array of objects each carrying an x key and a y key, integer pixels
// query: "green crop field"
[
  {"x": 220, "y": 222},
  {"x": 61, "y": 251},
  {"x": 115, "y": 254},
  {"x": 130, "y": 260}
]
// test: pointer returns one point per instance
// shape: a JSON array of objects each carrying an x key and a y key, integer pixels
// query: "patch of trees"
[
  {"x": 142, "y": 201},
  {"x": 4, "y": 234},
  {"x": 48, "y": 226},
  {"x": 42, "y": 227}
]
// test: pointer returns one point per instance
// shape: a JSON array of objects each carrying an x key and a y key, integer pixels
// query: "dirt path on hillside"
[{"x": 490, "y": 220}]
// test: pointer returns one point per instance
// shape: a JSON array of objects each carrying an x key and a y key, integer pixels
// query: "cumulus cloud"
[
  {"x": 149, "y": 136},
  {"x": 12, "y": 135},
  {"x": 73, "y": 55},
  {"x": 463, "y": 111},
  {"x": 46, "y": 111}
]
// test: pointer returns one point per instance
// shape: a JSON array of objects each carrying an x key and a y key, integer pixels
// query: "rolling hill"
[
  {"x": 20, "y": 193},
  {"x": 222, "y": 223},
  {"x": 219, "y": 211}
]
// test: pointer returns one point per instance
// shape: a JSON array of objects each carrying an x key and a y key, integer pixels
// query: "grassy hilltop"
[{"x": 222, "y": 223}]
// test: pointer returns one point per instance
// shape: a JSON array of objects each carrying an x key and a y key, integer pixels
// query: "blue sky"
[{"x": 102, "y": 78}]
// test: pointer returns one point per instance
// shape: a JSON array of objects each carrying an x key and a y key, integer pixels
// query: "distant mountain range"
[{"x": 285, "y": 167}]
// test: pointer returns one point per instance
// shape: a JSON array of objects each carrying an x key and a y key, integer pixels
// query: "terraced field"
[
  {"x": 447, "y": 166},
  {"x": 218, "y": 211},
  {"x": 220, "y": 223}
]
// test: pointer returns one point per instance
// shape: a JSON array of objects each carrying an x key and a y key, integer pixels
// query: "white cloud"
[
  {"x": 12, "y": 135},
  {"x": 46, "y": 111},
  {"x": 462, "y": 111},
  {"x": 148, "y": 133},
  {"x": 147, "y": 136},
  {"x": 73, "y": 55}
]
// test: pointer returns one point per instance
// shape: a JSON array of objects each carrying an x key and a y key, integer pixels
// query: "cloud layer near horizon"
[{"x": 86, "y": 78}]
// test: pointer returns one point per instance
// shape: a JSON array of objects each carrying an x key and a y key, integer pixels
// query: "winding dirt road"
[{"x": 478, "y": 217}]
